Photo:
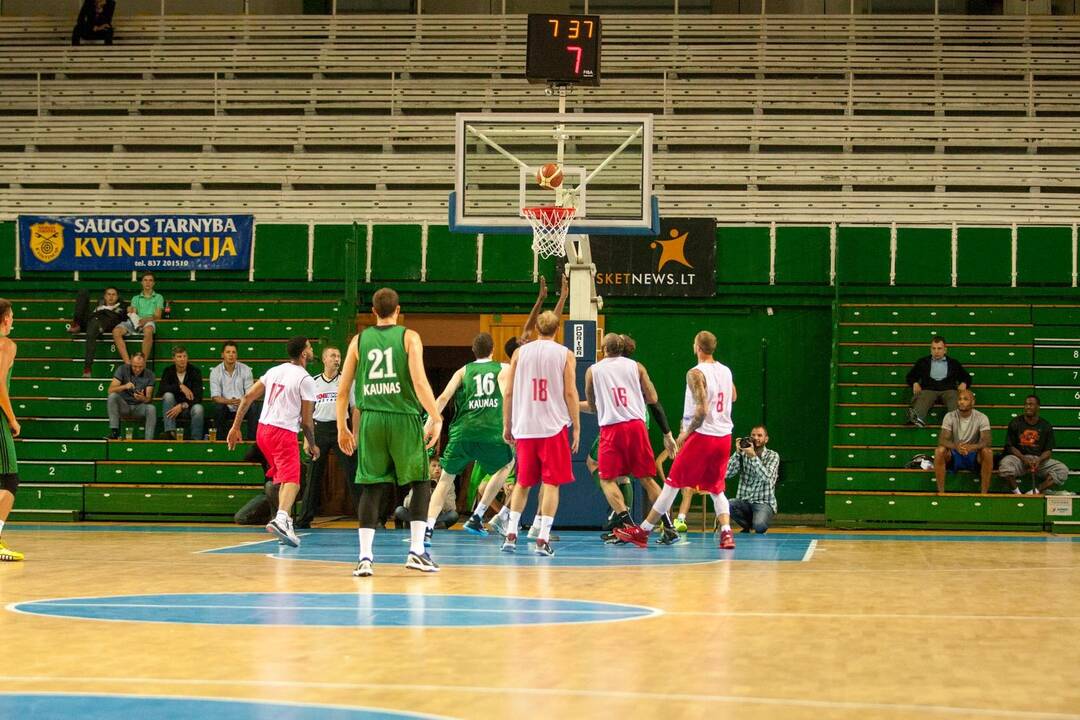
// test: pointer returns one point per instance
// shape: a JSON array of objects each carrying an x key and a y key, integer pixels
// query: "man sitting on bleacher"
[
  {"x": 936, "y": 376},
  {"x": 181, "y": 395},
  {"x": 108, "y": 313},
  {"x": 229, "y": 382},
  {"x": 144, "y": 311},
  {"x": 131, "y": 394},
  {"x": 1028, "y": 444},
  {"x": 964, "y": 443},
  {"x": 94, "y": 22}
]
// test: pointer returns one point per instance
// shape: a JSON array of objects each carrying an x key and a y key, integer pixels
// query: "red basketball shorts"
[
  {"x": 545, "y": 460},
  {"x": 625, "y": 451},
  {"x": 282, "y": 453},
  {"x": 701, "y": 463}
]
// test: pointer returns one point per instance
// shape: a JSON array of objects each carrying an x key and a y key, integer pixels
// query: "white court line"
[
  {"x": 876, "y": 616},
  {"x": 809, "y": 551},
  {"x": 486, "y": 690},
  {"x": 243, "y": 544}
]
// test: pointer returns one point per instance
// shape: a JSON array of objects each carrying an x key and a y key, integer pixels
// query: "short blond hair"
[
  {"x": 705, "y": 341},
  {"x": 548, "y": 323}
]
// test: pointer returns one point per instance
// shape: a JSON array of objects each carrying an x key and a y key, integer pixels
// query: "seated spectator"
[
  {"x": 131, "y": 393},
  {"x": 448, "y": 515},
  {"x": 143, "y": 313},
  {"x": 1029, "y": 442},
  {"x": 936, "y": 376},
  {"x": 182, "y": 394},
  {"x": 229, "y": 382},
  {"x": 964, "y": 443},
  {"x": 107, "y": 315},
  {"x": 94, "y": 22},
  {"x": 757, "y": 468}
]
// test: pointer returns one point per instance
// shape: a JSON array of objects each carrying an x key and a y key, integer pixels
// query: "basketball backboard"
[{"x": 606, "y": 161}]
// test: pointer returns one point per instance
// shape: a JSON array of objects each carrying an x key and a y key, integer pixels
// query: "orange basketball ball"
[{"x": 549, "y": 176}]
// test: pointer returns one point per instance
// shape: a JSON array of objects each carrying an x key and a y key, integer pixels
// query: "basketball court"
[{"x": 228, "y": 624}]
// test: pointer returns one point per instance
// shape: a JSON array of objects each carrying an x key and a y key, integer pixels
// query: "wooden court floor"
[{"x": 791, "y": 625}]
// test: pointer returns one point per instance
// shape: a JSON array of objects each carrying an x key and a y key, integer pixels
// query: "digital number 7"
[
  {"x": 554, "y": 27},
  {"x": 577, "y": 58}
]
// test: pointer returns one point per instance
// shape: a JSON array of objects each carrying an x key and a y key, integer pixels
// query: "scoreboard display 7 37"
[{"x": 563, "y": 49}]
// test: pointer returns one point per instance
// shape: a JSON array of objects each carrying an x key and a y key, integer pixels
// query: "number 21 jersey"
[{"x": 383, "y": 382}]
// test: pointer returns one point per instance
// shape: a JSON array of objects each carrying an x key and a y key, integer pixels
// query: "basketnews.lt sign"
[
  {"x": 679, "y": 262},
  {"x": 135, "y": 242}
]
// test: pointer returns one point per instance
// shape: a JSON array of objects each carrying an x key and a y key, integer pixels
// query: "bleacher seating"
[
  {"x": 1010, "y": 351},
  {"x": 70, "y": 471},
  {"x": 774, "y": 117}
]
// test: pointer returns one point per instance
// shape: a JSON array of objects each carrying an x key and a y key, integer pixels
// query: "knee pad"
[{"x": 9, "y": 482}]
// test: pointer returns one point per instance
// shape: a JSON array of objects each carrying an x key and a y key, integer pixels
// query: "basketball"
[{"x": 549, "y": 176}]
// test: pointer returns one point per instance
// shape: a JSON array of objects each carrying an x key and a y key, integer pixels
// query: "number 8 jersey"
[
  {"x": 383, "y": 381},
  {"x": 718, "y": 388}
]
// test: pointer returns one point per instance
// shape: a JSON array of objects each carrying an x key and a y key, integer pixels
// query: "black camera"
[{"x": 745, "y": 442}]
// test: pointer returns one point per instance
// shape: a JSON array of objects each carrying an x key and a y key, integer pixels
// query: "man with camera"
[{"x": 757, "y": 468}]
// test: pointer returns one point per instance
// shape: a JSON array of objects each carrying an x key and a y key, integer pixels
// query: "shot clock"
[{"x": 563, "y": 49}]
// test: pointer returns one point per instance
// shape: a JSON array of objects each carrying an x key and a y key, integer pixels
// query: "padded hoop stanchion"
[{"x": 550, "y": 226}]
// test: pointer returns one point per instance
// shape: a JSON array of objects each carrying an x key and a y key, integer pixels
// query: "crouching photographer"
[{"x": 757, "y": 468}]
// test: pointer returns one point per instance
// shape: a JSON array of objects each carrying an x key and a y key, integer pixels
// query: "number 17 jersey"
[
  {"x": 478, "y": 403},
  {"x": 383, "y": 382}
]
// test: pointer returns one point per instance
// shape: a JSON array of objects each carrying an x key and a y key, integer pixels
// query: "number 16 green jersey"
[{"x": 478, "y": 403}]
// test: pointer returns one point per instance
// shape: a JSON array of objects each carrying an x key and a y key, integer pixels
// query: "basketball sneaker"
[
  {"x": 612, "y": 521},
  {"x": 543, "y": 547},
  {"x": 510, "y": 543},
  {"x": 423, "y": 563},
  {"x": 534, "y": 534},
  {"x": 9, "y": 555},
  {"x": 680, "y": 525},
  {"x": 475, "y": 526},
  {"x": 668, "y": 536},
  {"x": 284, "y": 531},
  {"x": 727, "y": 540},
  {"x": 610, "y": 539},
  {"x": 427, "y": 537},
  {"x": 364, "y": 568},
  {"x": 498, "y": 524},
  {"x": 632, "y": 534}
]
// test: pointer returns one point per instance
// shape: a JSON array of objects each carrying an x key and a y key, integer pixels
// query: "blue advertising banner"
[{"x": 135, "y": 242}]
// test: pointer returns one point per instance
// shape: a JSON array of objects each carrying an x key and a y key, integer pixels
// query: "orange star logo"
[{"x": 672, "y": 250}]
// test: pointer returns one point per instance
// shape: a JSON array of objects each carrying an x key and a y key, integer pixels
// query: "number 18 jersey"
[
  {"x": 539, "y": 409},
  {"x": 383, "y": 383},
  {"x": 478, "y": 402}
]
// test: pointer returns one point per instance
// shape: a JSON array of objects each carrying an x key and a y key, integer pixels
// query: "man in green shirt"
[
  {"x": 9, "y": 428},
  {"x": 391, "y": 436},
  {"x": 143, "y": 313},
  {"x": 476, "y": 433}
]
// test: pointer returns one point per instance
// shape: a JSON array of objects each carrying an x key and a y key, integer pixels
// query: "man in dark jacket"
[
  {"x": 95, "y": 22},
  {"x": 182, "y": 394},
  {"x": 936, "y": 376},
  {"x": 108, "y": 313}
]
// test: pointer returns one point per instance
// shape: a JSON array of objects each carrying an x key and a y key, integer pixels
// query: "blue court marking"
[
  {"x": 63, "y": 706},
  {"x": 574, "y": 549},
  {"x": 335, "y": 609}
]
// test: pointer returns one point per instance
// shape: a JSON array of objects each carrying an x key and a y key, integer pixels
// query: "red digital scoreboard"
[{"x": 563, "y": 49}]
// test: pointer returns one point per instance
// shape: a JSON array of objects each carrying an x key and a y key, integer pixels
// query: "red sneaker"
[
  {"x": 727, "y": 540},
  {"x": 632, "y": 534}
]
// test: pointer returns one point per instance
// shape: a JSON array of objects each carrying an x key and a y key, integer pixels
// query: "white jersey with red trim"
[
  {"x": 286, "y": 386},
  {"x": 539, "y": 406},
  {"x": 719, "y": 389},
  {"x": 617, "y": 387}
]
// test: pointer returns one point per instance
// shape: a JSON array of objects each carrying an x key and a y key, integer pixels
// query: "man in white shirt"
[
  {"x": 290, "y": 402},
  {"x": 541, "y": 401},
  {"x": 229, "y": 382},
  {"x": 325, "y": 418},
  {"x": 964, "y": 443}
]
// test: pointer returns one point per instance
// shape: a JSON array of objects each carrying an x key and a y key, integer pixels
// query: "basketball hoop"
[{"x": 550, "y": 226}]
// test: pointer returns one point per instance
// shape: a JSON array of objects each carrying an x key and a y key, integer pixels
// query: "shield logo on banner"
[{"x": 46, "y": 241}]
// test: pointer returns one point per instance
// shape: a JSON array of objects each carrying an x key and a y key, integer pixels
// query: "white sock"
[
  {"x": 481, "y": 508},
  {"x": 647, "y": 526},
  {"x": 504, "y": 513},
  {"x": 367, "y": 540},
  {"x": 725, "y": 527},
  {"x": 282, "y": 517},
  {"x": 536, "y": 520},
  {"x": 430, "y": 525},
  {"x": 1, "y": 526},
  {"x": 682, "y": 516},
  {"x": 515, "y": 523},
  {"x": 416, "y": 536},
  {"x": 545, "y": 527}
]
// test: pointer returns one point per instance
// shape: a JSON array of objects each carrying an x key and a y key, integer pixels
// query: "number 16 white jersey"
[
  {"x": 617, "y": 387},
  {"x": 719, "y": 389},
  {"x": 539, "y": 408}
]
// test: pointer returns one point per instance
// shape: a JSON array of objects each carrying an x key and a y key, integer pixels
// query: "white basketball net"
[{"x": 550, "y": 226}]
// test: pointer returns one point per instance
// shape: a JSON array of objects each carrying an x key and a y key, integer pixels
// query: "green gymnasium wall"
[{"x": 773, "y": 307}]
